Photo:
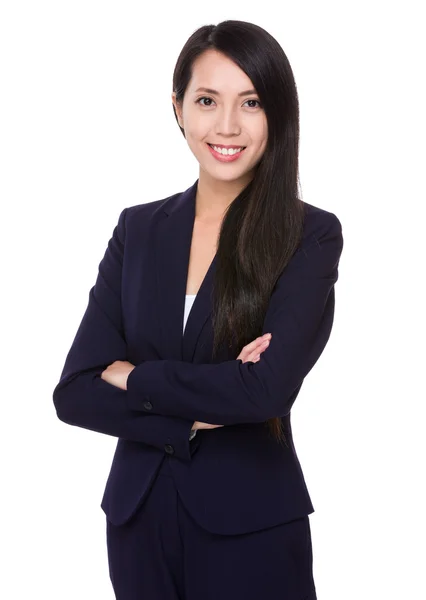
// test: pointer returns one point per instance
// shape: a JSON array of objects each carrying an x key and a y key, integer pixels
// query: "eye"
[
  {"x": 210, "y": 99},
  {"x": 203, "y": 98},
  {"x": 260, "y": 106}
]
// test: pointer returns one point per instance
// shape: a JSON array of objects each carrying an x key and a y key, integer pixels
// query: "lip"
[
  {"x": 226, "y": 158},
  {"x": 225, "y": 146}
]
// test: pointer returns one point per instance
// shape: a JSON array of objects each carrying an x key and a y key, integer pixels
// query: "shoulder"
[
  {"x": 320, "y": 226},
  {"x": 148, "y": 208},
  {"x": 318, "y": 253},
  {"x": 319, "y": 221},
  {"x": 138, "y": 215}
]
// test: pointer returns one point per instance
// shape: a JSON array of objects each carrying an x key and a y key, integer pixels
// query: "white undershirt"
[{"x": 189, "y": 301}]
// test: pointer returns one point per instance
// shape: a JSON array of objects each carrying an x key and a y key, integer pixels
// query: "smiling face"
[{"x": 221, "y": 108}]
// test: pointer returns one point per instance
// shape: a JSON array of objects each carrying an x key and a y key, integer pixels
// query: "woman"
[{"x": 206, "y": 498}]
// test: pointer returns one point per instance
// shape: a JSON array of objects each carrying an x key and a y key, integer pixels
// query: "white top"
[{"x": 189, "y": 301}]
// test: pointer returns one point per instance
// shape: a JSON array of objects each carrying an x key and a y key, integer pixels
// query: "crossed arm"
[{"x": 161, "y": 399}]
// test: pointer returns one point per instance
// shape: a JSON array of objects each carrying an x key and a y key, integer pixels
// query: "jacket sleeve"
[
  {"x": 81, "y": 397},
  {"x": 299, "y": 317}
]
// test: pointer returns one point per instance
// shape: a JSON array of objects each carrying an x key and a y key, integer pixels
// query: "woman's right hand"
[{"x": 252, "y": 353}]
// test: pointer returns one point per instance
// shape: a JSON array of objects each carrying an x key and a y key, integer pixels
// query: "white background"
[{"x": 87, "y": 128}]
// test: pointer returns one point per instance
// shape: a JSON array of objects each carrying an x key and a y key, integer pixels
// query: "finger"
[
  {"x": 255, "y": 355},
  {"x": 256, "y": 351},
  {"x": 258, "y": 345},
  {"x": 257, "y": 342},
  {"x": 262, "y": 347}
]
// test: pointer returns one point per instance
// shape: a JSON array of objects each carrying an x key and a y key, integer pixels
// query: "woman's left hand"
[{"x": 117, "y": 373}]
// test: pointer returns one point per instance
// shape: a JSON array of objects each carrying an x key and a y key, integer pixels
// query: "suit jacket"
[{"x": 232, "y": 479}]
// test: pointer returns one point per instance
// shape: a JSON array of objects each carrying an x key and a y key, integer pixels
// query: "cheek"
[
  {"x": 195, "y": 144},
  {"x": 263, "y": 137},
  {"x": 263, "y": 130},
  {"x": 196, "y": 136},
  {"x": 195, "y": 124},
  {"x": 258, "y": 133},
  {"x": 193, "y": 139},
  {"x": 195, "y": 131}
]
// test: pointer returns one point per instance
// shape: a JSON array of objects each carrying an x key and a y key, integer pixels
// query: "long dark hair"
[{"x": 263, "y": 226}]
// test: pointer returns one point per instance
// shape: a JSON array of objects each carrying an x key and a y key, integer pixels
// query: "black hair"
[{"x": 263, "y": 226}]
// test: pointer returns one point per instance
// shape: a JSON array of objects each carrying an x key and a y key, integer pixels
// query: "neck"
[{"x": 214, "y": 196}]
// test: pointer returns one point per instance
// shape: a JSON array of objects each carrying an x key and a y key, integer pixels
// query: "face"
[{"x": 223, "y": 117}]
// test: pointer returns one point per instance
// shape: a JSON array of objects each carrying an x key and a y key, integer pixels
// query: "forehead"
[{"x": 213, "y": 69}]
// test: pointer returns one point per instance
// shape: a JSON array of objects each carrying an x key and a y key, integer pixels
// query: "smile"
[{"x": 226, "y": 154}]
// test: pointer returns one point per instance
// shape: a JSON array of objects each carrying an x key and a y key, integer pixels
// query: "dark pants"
[{"x": 163, "y": 554}]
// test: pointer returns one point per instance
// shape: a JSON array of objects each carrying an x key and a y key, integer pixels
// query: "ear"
[{"x": 178, "y": 109}]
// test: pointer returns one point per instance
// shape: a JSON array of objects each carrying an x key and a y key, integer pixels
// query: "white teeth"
[{"x": 227, "y": 151}]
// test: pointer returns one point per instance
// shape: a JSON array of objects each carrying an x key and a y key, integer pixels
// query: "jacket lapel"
[{"x": 172, "y": 241}]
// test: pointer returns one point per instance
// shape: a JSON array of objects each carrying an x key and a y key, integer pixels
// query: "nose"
[{"x": 227, "y": 122}]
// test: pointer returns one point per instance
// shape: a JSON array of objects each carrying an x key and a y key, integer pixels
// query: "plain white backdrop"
[{"x": 87, "y": 128}]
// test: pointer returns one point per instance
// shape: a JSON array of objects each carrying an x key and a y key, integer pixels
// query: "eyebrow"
[{"x": 210, "y": 91}]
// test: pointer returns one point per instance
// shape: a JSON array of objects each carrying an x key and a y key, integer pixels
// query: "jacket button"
[
  {"x": 147, "y": 405},
  {"x": 169, "y": 449}
]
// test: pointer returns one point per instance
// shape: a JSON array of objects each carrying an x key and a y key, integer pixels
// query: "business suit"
[{"x": 231, "y": 480}]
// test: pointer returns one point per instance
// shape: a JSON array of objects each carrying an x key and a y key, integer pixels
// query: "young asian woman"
[{"x": 206, "y": 497}]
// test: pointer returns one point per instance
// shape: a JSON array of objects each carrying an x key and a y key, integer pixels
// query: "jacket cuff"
[
  {"x": 178, "y": 442},
  {"x": 174, "y": 434}
]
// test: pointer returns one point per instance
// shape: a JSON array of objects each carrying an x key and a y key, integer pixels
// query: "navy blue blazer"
[{"x": 232, "y": 479}]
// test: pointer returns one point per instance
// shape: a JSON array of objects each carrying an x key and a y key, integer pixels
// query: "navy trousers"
[{"x": 163, "y": 554}]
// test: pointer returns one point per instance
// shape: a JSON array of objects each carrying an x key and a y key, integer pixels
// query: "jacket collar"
[{"x": 172, "y": 245}]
